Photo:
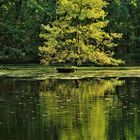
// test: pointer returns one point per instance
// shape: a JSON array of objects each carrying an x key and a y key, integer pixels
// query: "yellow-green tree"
[{"x": 77, "y": 36}]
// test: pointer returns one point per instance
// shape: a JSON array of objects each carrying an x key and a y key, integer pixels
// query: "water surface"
[{"x": 88, "y": 109}]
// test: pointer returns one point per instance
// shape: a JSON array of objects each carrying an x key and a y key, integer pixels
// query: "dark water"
[{"x": 86, "y": 109}]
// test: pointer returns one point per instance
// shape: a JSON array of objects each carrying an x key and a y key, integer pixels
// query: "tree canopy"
[
  {"x": 89, "y": 32},
  {"x": 78, "y": 35}
]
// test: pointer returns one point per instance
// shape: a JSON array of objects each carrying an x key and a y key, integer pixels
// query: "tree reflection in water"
[
  {"x": 81, "y": 112},
  {"x": 85, "y": 109}
]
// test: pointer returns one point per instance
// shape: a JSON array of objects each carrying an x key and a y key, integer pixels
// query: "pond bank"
[{"x": 39, "y": 72}]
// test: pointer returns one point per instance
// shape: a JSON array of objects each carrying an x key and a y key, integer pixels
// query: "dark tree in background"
[{"x": 21, "y": 22}]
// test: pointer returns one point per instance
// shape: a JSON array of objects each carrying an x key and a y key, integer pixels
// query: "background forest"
[{"x": 31, "y": 31}]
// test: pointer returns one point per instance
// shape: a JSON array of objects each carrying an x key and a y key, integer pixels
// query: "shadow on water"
[{"x": 88, "y": 109}]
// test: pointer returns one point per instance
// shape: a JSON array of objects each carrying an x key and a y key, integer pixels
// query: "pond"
[{"x": 86, "y": 109}]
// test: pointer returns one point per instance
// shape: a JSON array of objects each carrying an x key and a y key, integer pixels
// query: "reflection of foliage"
[
  {"x": 16, "y": 86},
  {"x": 70, "y": 109},
  {"x": 87, "y": 87},
  {"x": 66, "y": 105},
  {"x": 18, "y": 112},
  {"x": 124, "y": 116}
]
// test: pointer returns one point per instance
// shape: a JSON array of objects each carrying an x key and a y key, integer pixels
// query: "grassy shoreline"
[{"x": 40, "y": 72}]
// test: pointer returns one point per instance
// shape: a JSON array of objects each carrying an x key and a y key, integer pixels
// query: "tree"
[
  {"x": 77, "y": 36},
  {"x": 124, "y": 18},
  {"x": 19, "y": 29}
]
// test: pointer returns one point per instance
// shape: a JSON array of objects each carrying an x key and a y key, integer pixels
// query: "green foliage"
[
  {"x": 77, "y": 36},
  {"x": 74, "y": 32},
  {"x": 19, "y": 27},
  {"x": 124, "y": 18}
]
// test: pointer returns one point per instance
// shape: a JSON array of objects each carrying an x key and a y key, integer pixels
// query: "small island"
[{"x": 66, "y": 69}]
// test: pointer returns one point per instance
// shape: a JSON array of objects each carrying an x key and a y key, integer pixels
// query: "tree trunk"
[{"x": 18, "y": 7}]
